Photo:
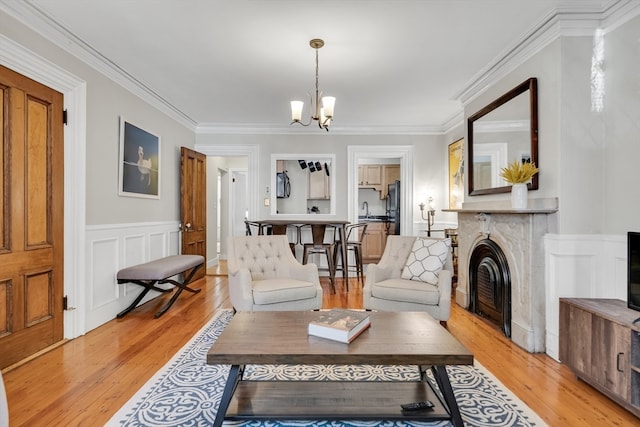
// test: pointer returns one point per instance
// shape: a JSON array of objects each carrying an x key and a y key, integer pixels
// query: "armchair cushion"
[
  {"x": 406, "y": 291},
  {"x": 271, "y": 291},
  {"x": 426, "y": 260}
]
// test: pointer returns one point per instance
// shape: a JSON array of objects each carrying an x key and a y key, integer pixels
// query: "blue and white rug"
[{"x": 187, "y": 391}]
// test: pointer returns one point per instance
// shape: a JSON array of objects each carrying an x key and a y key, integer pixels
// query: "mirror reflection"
[
  {"x": 302, "y": 184},
  {"x": 500, "y": 133}
]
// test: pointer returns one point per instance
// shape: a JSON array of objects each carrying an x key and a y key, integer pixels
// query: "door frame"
[
  {"x": 405, "y": 154},
  {"x": 74, "y": 89},
  {"x": 232, "y": 198},
  {"x": 252, "y": 152}
]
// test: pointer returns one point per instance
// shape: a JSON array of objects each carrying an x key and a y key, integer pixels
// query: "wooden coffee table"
[{"x": 261, "y": 338}]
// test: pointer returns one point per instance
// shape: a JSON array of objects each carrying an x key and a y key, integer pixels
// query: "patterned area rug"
[{"x": 187, "y": 391}]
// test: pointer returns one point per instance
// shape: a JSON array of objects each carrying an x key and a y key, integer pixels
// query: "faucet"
[{"x": 365, "y": 206}]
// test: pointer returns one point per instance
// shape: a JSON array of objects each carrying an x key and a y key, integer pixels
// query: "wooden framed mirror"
[{"x": 500, "y": 133}]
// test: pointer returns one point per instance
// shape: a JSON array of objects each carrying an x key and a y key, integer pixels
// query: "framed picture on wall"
[
  {"x": 456, "y": 174},
  {"x": 139, "y": 162}
]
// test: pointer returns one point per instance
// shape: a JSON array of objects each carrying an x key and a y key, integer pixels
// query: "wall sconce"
[{"x": 431, "y": 213}]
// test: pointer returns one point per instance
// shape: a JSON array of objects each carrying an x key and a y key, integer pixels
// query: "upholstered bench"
[{"x": 153, "y": 273}]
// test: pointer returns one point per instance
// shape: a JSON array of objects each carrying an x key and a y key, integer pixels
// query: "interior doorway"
[
  {"x": 400, "y": 153},
  {"x": 226, "y": 160}
]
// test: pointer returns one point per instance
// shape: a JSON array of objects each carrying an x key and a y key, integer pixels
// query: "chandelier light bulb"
[
  {"x": 328, "y": 102},
  {"x": 296, "y": 110}
]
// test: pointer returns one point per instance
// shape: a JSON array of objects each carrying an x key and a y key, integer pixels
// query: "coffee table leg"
[
  {"x": 235, "y": 375},
  {"x": 442, "y": 379}
]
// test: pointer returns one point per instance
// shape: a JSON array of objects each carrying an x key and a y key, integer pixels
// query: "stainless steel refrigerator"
[{"x": 393, "y": 207}]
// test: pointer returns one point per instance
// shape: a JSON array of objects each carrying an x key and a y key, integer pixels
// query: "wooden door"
[
  {"x": 31, "y": 218},
  {"x": 193, "y": 206}
]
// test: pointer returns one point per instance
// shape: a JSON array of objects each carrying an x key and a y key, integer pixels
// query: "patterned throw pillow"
[{"x": 426, "y": 260}]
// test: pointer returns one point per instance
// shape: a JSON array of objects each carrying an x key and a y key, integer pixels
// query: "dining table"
[{"x": 340, "y": 225}]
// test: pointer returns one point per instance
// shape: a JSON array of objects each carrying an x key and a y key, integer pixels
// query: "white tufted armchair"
[
  {"x": 385, "y": 290},
  {"x": 264, "y": 275}
]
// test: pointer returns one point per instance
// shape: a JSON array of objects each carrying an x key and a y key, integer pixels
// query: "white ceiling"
[{"x": 235, "y": 64}]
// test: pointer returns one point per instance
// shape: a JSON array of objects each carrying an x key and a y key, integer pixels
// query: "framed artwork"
[
  {"x": 456, "y": 174},
  {"x": 139, "y": 162}
]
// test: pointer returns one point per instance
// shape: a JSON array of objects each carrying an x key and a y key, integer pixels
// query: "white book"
[{"x": 339, "y": 324}]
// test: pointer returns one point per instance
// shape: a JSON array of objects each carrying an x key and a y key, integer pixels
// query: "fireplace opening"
[{"x": 490, "y": 284}]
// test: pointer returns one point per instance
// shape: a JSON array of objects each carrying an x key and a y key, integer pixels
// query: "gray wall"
[
  {"x": 586, "y": 158},
  {"x": 429, "y": 162},
  {"x": 620, "y": 196},
  {"x": 106, "y": 101}
]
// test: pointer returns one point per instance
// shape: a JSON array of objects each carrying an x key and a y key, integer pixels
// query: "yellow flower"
[{"x": 519, "y": 172}]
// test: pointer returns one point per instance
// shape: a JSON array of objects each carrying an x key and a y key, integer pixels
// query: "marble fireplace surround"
[{"x": 519, "y": 233}]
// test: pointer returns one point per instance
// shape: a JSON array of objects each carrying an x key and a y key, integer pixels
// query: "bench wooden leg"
[
  {"x": 180, "y": 287},
  {"x": 148, "y": 286}
]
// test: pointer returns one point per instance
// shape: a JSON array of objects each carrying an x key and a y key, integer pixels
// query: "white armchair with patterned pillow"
[
  {"x": 264, "y": 275},
  {"x": 414, "y": 274}
]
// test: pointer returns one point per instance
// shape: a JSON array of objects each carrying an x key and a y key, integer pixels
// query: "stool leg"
[
  {"x": 337, "y": 253},
  {"x": 359, "y": 270},
  {"x": 332, "y": 270}
]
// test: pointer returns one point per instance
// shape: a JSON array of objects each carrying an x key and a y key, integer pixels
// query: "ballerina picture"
[{"x": 139, "y": 162}]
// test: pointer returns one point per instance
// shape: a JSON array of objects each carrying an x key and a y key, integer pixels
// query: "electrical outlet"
[{"x": 266, "y": 201}]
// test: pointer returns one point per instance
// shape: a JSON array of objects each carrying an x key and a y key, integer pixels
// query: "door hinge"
[
  {"x": 65, "y": 304},
  {"x": 64, "y": 117}
]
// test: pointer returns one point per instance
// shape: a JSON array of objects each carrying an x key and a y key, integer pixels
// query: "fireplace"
[
  {"x": 507, "y": 270},
  {"x": 490, "y": 284}
]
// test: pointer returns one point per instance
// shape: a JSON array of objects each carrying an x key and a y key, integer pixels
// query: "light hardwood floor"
[{"x": 85, "y": 381}]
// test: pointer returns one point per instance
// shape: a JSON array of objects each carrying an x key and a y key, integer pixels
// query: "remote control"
[{"x": 417, "y": 406}]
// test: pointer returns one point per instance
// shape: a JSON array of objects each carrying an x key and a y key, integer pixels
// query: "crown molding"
[
  {"x": 261, "y": 129},
  {"x": 569, "y": 22},
  {"x": 34, "y": 18}
]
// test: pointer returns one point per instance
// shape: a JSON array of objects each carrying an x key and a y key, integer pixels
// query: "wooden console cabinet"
[{"x": 601, "y": 345}]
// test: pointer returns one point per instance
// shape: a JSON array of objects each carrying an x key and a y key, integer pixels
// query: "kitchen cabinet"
[
  {"x": 390, "y": 174},
  {"x": 600, "y": 343},
  {"x": 319, "y": 186},
  {"x": 378, "y": 177},
  {"x": 370, "y": 176},
  {"x": 374, "y": 241}
]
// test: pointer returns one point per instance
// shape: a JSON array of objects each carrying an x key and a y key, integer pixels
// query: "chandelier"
[{"x": 321, "y": 112}]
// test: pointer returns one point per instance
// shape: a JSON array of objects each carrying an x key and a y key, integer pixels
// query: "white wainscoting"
[
  {"x": 113, "y": 247},
  {"x": 581, "y": 266}
]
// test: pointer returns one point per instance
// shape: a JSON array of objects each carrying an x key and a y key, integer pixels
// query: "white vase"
[{"x": 519, "y": 196}]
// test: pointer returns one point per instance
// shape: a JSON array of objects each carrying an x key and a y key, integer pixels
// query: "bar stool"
[
  {"x": 355, "y": 246},
  {"x": 318, "y": 246}
]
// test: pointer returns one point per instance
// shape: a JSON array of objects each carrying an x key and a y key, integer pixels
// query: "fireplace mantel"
[
  {"x": 520, "y": 234},
  {"x": 536, "y": 206}
]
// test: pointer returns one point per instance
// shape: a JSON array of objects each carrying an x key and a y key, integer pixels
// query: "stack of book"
[{"x": 339, "y": 324}]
